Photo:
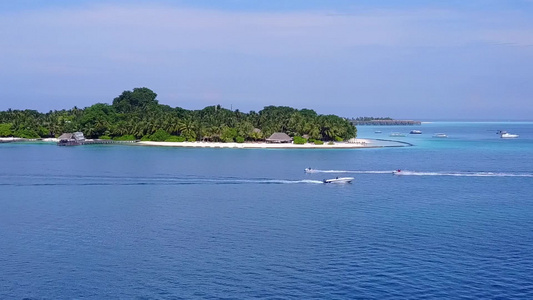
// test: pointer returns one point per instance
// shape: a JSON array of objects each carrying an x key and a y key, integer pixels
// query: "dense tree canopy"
[{"x": 138, "y": 114}]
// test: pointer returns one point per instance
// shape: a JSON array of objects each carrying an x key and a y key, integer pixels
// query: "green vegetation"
[
  {"x": 26, "y": 133},
  {"x": 128, "y": 137},
  {"x": 160, "y": 136},
  {"x": 138, "y": 115},
  {"x": 5, "y": 129},
  {"x": 299, "y": 140},
  {"x": 174, "y": 138}
]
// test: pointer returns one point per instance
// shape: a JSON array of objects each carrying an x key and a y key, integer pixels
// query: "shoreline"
[{"x": 359, "y": 144}]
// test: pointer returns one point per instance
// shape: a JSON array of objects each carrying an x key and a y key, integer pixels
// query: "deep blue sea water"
[{"x": 131, "y": 222}]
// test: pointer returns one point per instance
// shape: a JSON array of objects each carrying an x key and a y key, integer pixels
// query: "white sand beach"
[
  {"x": 358, "y": 143},
  {"x": 353, "y": 144},
  {"x": 51, "y": 140},
  {"x": 10, "y": 139}
]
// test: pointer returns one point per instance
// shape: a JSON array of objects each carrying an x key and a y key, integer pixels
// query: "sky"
[{"x": 458, "y": 60}]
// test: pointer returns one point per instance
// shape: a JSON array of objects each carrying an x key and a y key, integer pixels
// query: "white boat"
[
  {"x": 309, "y": 170},
  {"x": 440, "y": 135},
  {"x": 397, "y": 134},
  {"x": 506, "y": 135},
  {"x": 415, "y": 132},
  {"x": 339, "y": 180}
]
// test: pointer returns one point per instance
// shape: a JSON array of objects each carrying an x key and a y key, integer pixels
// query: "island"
[{"x": 138, "y": 116}]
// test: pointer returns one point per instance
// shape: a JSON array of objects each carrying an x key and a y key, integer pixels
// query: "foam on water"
[
  {"x": 464, "y": 174},
  {"x": 82, "y": 180},
  {"x": 430, "y": 173},
  {"x": 348, "y": 171}
]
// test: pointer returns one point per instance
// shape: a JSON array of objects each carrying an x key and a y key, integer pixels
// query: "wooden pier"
[
  {"x": 93, "y": 142},
  {"x": 77, "y": 139}
]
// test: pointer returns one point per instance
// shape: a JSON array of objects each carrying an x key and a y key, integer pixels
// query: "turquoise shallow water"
[{"x": 128, "y": 222}]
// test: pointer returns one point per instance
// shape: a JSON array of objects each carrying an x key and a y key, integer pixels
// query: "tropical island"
[{"x": 137, "y": 115}]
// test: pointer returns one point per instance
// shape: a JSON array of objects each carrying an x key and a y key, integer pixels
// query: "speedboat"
[
  {"x": 415, "y": 132},
  {"x": 397, "y": 172},
  {"x": 339, "y": 180},
  {"x": 309, "y": 170},
  {"x": 506, "y": 135},
  {"x": 440, "y": 135}
]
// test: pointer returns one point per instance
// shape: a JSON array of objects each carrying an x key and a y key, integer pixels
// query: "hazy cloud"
[{"x": 192, "y": 57}]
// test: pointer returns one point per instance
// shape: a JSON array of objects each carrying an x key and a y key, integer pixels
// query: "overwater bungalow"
[{"x": 71, "y": 139}]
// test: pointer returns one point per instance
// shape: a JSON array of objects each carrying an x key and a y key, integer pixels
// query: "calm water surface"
[{"x": 95, "y": 222}]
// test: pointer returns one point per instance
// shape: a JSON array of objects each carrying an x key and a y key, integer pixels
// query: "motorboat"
[
  {"x": 339, "y": 180},
  {"x": 440, "y": 135},
  {"x": 397, "y": 172},
  {"x": 397, "y": 134},
  {"x": 506, "y": 135},
  {"x": 309, "y": 170},
  {"x": 415, "y": 132}
]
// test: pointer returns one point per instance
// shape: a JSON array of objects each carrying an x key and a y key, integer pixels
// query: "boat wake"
[
  {"x": 261, "y": 181},
  {"x": 347, "y": 171},
  {"x": 463, "y": 174},
  {"x": 439, "y": 173},
  {"x": 84, "y": 180}
]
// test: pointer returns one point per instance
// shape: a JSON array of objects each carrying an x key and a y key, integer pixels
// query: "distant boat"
[
  {"x": 309, "y": 170},
  {"x": 506, "y": 135},
  {"x": 397, "y": 172},
  {"x": 397, "y": 134},
  {"x": 440, "y": 135},
  {"x": 377, "y": 131},
  {"x": 415, "y": 132},
  {"x": 339, "y": 180}
]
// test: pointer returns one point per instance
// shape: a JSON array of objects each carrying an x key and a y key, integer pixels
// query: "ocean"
[{"x": 132, "y": 222}]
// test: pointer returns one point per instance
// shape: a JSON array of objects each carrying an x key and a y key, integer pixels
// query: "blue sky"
[{"x": 403, "y": 59}]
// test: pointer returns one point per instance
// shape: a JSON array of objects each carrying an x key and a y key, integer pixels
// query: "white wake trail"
[
  {"x": 428, "y": 173},
  {"x": 464, "y": 174}
]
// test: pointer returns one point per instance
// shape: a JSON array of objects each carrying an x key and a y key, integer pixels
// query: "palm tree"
[{"x": 187, "y": 128}]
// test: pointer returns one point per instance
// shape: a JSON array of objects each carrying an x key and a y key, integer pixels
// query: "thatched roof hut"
[
  {"x": 65, "y": 137},
  {"x": 76, "y": 136},
  {"x": 279, "y": 137}
]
